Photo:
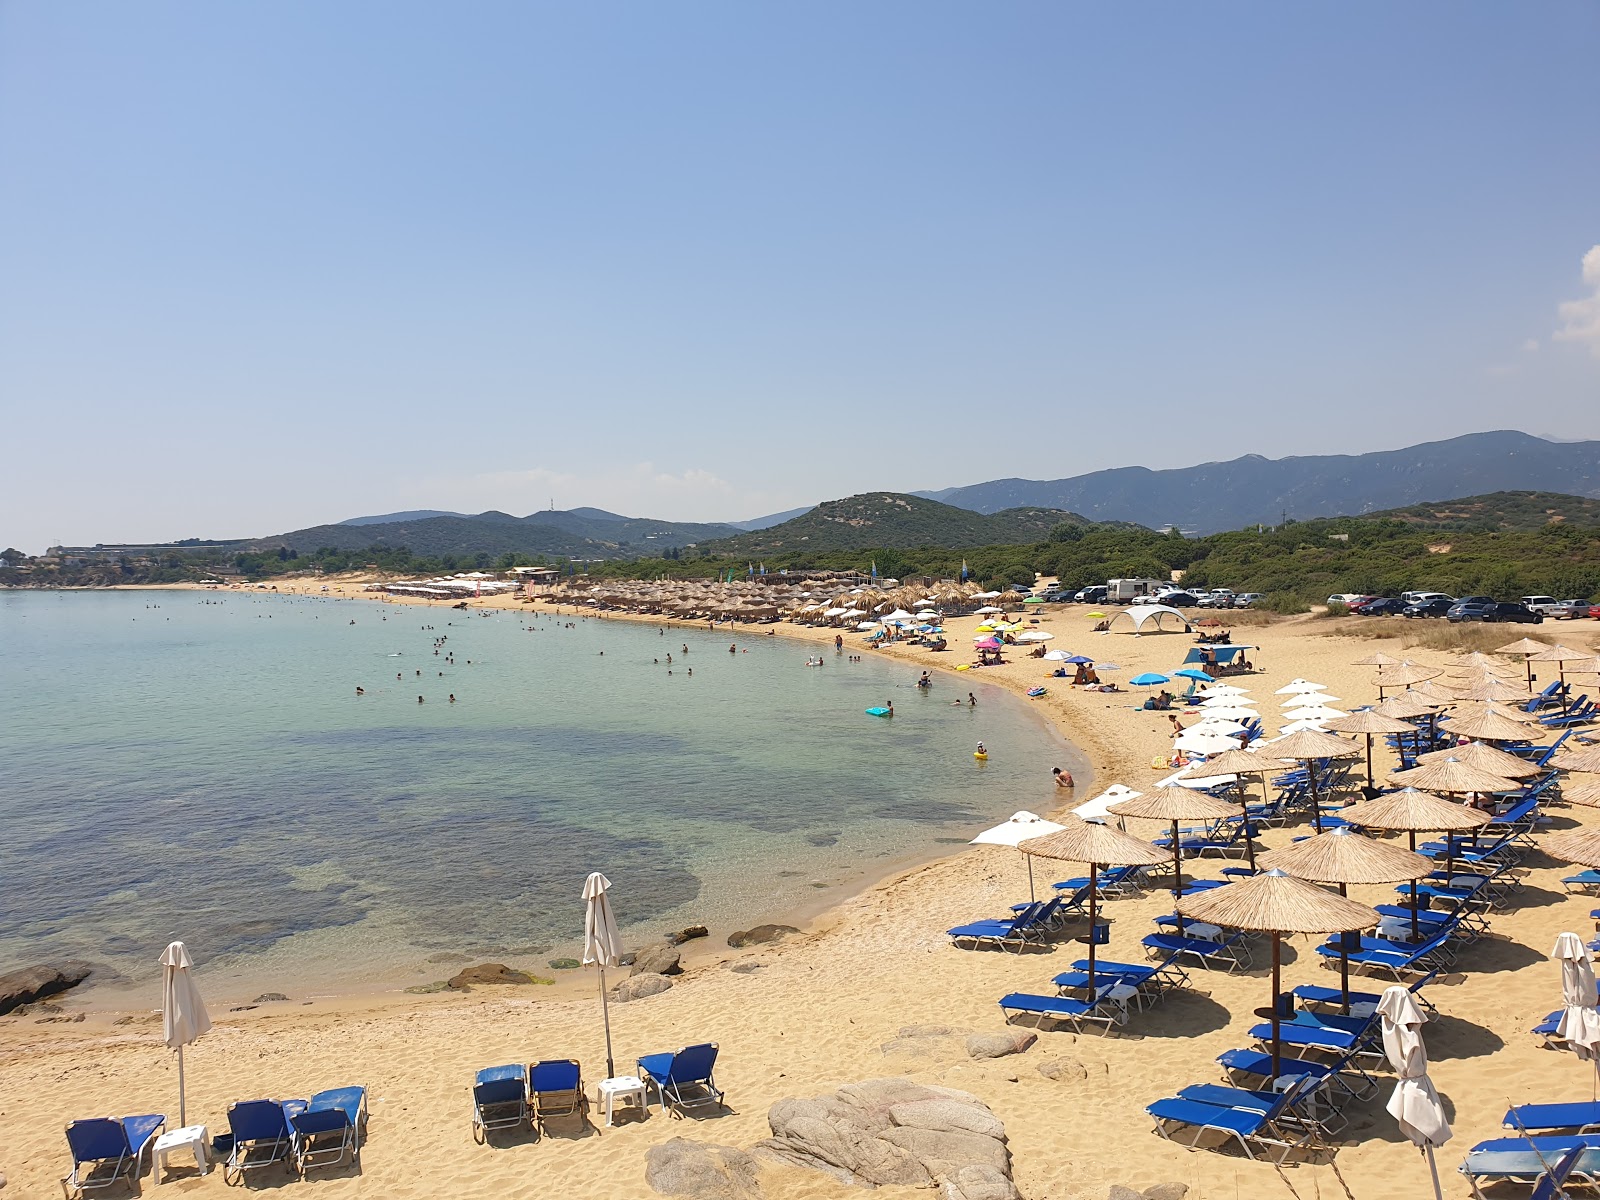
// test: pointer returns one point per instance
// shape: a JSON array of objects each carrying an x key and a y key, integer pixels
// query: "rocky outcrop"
[
  {"x": 657, "y": 960},
  {"x": 1064, "y": 1070},
  {"x": 637, "y": 987},
  {"x": 895, "y": 1131},
  {"x": 487, "y": 973},
  {"x": 761, "y": 935},
  {"x": 978, "y": 1183},
  {"x": 681, "y": 1167},
  {"x": 998, "y": 1045},
  {"x": 687, "y": 934},
  {"x": 37, "y": 982}
]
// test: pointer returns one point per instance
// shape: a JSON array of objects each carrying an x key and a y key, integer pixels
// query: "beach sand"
[{"x": 826, "y": 1007}]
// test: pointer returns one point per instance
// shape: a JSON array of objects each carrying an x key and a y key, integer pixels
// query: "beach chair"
[
  {"x": 682, "y": 1080},
  {"x": 1248, "y": 1126},
  {"x": 1253, "y": 1064},
  {"x": 499, "y": 1100},
  {"x": 330, "y": 1128},
  {"x": 1545, "y": 699},
  {"x": 1582, "y": 881},
  {"x": 1107, "y": 1009},
  {"x": 1017, "y": 931},
  {"x": 1578, "y": 1117},
  {"x": 1397, "y": 958},
  {"x": 555, "y": 1088},
  {"x": 1311, "y": 1108},
  {"x": 1326, "y": 997},
  {"x": 262, "y": 1136},
  {"x": 106, "y": 1150},
  {"x": 1527, "y": 1160},
  {"x": 1232, "y": 953},
  {"x": 1324, "y": 1039}
]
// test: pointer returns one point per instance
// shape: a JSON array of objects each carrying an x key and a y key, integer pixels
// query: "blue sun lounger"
[
  {"x": 1582, "y": 880},
  {"x": 330, "y": 1128},
  {"x": 1314, "y": 993},
  {"x": 1232, "y": 953},
  {"x": 499, "y": 1100},
  {"x": 1578, "y": 1117},
  {"x": 1527, "y": 1159},
  {"x": 108, "y": 1149},
  {"x": 262, "y": 1136},
  {"x": 1105, "y": 1009},
  {"x": 682, "y": 1080},
  {"x": 1245, "y": 1125},
  {"x": 1027, "y": 926},
  {"x": 1256, "y": 1064},
  {"x": 555, "y": 1088}
]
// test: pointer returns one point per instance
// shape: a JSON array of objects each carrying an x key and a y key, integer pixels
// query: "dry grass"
[
  {"x": 1244, "y": 618},
  {"x": 1434, "y": 634}
]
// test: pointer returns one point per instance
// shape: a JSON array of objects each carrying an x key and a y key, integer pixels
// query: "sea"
[{"x": 200, "y": 766}]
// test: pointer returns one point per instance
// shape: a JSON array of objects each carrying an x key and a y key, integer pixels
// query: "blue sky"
[{"x": 264, "y": 265}]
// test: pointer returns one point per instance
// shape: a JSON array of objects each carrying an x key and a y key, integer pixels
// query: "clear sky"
[{"x": 264, "y": 265}]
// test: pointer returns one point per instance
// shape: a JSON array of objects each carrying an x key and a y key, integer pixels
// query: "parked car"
[
  {"x": 1569, "y": 610},
  {"x": 1594, "y": 611},
  {"x": 1178, "y": 599},
  {"x": 1092, "y": 595},
  {"x": 1248, "y": 599},
  {"x": 1356, "y": 603},
  {"x": 1020, "y": 589},
  {"x": 1216, "y": 598},
  {"x": 1519, "y": 614},
  {"x": 1543, "y": 605},
  {"x": 1384, "y": 606},
  {"x": 1347, "y": 598},
  {"x": 1469, "y": 608},
  {"x": 1429, "y": 608},
  {"x": 1424, "y": 597}
]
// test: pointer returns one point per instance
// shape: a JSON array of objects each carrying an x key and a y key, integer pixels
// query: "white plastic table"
[
  {"x": 622, "y": 1089},
  {"x": 192, "y": 1138}
]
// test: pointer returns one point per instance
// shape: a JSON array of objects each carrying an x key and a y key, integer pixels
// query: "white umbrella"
[
  {"x": 1218, "y": 725},
  {"x": 866, "y": 625},
  {"x": 1018, "y": 828},
  {"x": 1300, "y": 685},
  {"x": 989, "y": 608},
  {"x": 1297, "y": 726},
  {"x": 1097, "y": 806},
  {"x": 1414, "y": 1104},
  {"x": 1580, "y": 1024},
  {"x": 1315, "y": 712},
  {"x": 1304, "y": 699},
  {"x": 183, "y": 1013},
  {"x": 1058, "y": 655},
  {"x": 1230, "y": 712},
  {"x": 602, "y": 944},
  {"x": 984, "y": 595},
  {"x": 1035, "y": 635},
  {"x": 1226, "y": 702},
  {"x": 1218, "y": 690},
  {"x": 1199, "y": 741}
]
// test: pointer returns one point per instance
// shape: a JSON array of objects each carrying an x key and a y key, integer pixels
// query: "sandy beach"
[{"x": 828, "y": 1006}]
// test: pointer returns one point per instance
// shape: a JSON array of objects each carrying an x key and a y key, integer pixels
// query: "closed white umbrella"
[
  {"x": 1019, "y": 827},
  {"x": 1580, "y": 1024},
  {"x": 602, "y": 944},
  {"x": 183, "y": 1013},
  {"x": 1414, "y": 1104}
]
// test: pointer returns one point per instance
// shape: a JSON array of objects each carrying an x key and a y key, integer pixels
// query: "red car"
[{"x": 1594, "y": 611}]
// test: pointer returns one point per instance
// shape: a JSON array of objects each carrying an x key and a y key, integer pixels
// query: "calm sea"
[{"x": 199, "y": 765}]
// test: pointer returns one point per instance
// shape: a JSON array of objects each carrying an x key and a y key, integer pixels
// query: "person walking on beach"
[{"x": 1177, "y": 725}]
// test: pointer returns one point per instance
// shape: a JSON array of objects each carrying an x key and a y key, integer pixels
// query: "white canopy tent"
[{"x": 1143, "y": 614}]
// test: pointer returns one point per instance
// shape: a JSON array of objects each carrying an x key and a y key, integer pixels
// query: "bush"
[
  {"x": 1285, "y": 604},
  {"x": 1335, "y": 609}
]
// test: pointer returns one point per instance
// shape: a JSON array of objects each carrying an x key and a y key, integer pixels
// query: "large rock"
[
  {"x": 637, "y": 987},
  {"x": 683, "y": 1168},
  {"x": 487, "y": 973},
  {"x": 998, "y": 1045},
  {"x": 687, "y": 934},
  {"x": 1064, "y": 1070},
  {"x": 1166, "y": 1191},
  {"x": 761, "y": 935},
  {"x": 657, "y": 960},
  {"x": 895, "y": 1131},
  {"x": 37, "y": 982}
]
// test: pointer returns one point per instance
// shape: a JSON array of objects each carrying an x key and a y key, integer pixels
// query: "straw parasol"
[
  {"x": 1485, "y": 757},
  {"x": 1238, "y": 762},
  {"x": 1524, "y": 647},
  {"x": 1488, "y": 723},
  {"x": 1377, "y": 659},
  {"x": 1278, "y": 903},
  {"x": 1585, "y": 759},
  {"x": 1343, "y": 856},
  {"x": 1083, "y": 842},
  {"x": 1477, "y": 660},
  {"x": 1586, "y": 793},
  {"x": 1581, "y": 846},
  {"x": 1450, "y": 774},
  {"x": 1176, "y": 804},
  {"x": 1405, "y": 675},
  {"x": 1491, "y": 688},
  {"x": 1406, "y": 704},
  {"x": 1369, "y": 723},
  {"x": 1307, "y": 746},
  {"x": 1411, "y": 812},
  {"x": 1428, "y": 689},
  {"x": 1561, "y": 656}
]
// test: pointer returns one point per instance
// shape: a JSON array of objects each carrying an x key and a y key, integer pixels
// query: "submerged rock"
[
  {"x": 761, "y": 935},
  {"x": 687, "y": 934},
  {"x": 683, "y": 1168},
  {"x": 487, "y": 973}
]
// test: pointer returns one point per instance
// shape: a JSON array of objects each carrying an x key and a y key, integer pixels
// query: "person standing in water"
[{"x": 1062, "y": 778}]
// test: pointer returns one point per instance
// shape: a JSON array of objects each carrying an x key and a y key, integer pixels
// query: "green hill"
[
  {"x": 1510, "y": 512},
  {"x": 893, "y": 520}
]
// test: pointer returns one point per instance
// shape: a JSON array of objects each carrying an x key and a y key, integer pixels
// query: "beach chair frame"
[{"x": 98, "y": 1141}]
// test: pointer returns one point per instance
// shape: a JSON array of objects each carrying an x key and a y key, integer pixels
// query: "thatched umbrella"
[
  {"x": 1450, "y": 774},
  {"x": 1560, "y": 655},
  {"x": 1239, "y": 762},
  {"x": 1581, "y": 846},
  {"x": 1487, "y": 723},
  {"x": 1307, "y": 746},
  {"x": 1586, "y": 793},
  {"x": 1411, "y": 812},
  {"x": 1494, "y": 688},
  {"x": 1343, "y": 856},
  {"x": 1098, "y": 846},
  {"x": 1406, "y": 704},
  {"x": 1377, "y": 659},
  {"x": 1477, "y": 660},
  {"x": 1175, "y": 804},
  {"x": 1430, "y": 689},
  {"x": 1278, "y": 903},
  {"x": 1524, "y": 647},
  {"x": 1584, "y": 759},
  {"x": 1404, "y": 675},
  {"x": 1369, "y": 723},
  {"x": 1486, "y": 757}
]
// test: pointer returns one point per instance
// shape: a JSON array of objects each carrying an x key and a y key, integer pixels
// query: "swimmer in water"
[
  {"x": 361, "y": 691},
  {"x": 1062, "y": 778},
  {"x": 981, "y": 751},
  {"x": 419, "y": 699},
  {"x": 890, "y": 706},
  {"x": 972, "y": 701},
  {"x": 452, "y": 697}
]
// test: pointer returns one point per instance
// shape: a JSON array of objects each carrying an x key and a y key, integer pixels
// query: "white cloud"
[
  {"x": 1580, "y": 319},
  {"x": 1531, "y": 345}
]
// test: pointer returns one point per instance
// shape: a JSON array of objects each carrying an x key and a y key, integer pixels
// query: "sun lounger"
[
  {"x": 555, "y": 1088},
  {"x": 1527, "y": 1159},
  {"x": 1231, "y": 954},
  {"x": 1312, "y": 993},
  {"x": 1545, "y": 699},
  {"x": 1245, "y": 1125},
  {"x": 330, "y": 1128},
  {"x": 682, "y": 1080},
  {"x": 262, "y": 1135},
  {"x": 499, "y": 1100},
  {"x": 1256, "y": 1064},
  {"x": 1114, "y": 882},
  {"x": 1326, "y": 1039},
  {"x": 1582, "y": 881},
  {"x": 106, "y": 1150},
  {"x": 1017, "y": 931},
  {"x": 1397, "y": 958},
  {"x": 1105, "y": 1010},
  {"x": 1578, "y": 1117},
  {"x": 1307, "y": 1110}
]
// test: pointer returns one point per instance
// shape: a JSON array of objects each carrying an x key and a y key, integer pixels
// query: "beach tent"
[{"x": 1143, "y": 614}]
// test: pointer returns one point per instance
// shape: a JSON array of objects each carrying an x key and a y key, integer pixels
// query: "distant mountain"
[
  {"x": 415, "y": 514},
  {"x": 1245, "y": 491},
  {"x": 579, "y": 533},
  {"x": 767, "y": 522},
  {"x": 895, "y": 520},
  {"x": 1508, "y": 512}
]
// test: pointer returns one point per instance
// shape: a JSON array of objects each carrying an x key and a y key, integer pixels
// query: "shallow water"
[{"x": 198, "y": 765}]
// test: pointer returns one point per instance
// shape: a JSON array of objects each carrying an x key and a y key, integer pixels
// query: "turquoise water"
[{"x": 198, "y": 765}]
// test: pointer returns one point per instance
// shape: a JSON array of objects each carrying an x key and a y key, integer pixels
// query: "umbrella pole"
[
  {"x": 1316, "y": 801},
  {"x": 183, "y": 1111},
  {"x": 1413, "y": 836},
  {"x": 1561, "y": 674},
  {"x": 1029, "y": 857},
  {"x": 1177, "y": 876},
  {"x": 1433, "y": 1169},
  {"x": 1277, "y": 1046},
  {"x": 605, "y": 1016},
  {"x": 1094, "y": 926},
  {"x": 1249, "y": 843},
  {"x": 1344, "y": 968},
  {"x": 1369, "y": 762}
]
